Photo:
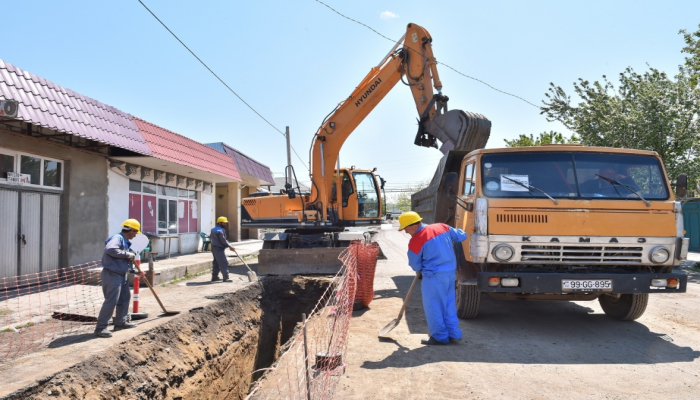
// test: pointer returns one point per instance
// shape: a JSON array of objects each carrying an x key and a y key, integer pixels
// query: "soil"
[
  {"x": 207, "y": 353},
  {"x": 522, "y": 349}
]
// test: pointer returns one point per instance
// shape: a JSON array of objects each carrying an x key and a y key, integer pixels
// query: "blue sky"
[{"x": 293, "y": 61}]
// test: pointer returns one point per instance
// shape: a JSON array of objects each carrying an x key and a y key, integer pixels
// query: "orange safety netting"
[
  {"x": 313, "y": 360},
  {"x": 366, "y": 267},
  {"x": 36, "y": 309}
]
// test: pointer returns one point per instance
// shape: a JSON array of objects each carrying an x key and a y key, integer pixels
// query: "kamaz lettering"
[{"x": 368, "y": 92}]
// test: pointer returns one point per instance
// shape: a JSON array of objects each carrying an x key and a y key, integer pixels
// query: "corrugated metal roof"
[
  {"x": 170, "y": 146},
  {"x": 49, "y": 105},
  {"x": 244, "y": 163}
]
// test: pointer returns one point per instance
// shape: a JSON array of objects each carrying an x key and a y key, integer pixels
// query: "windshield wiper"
[
  {"x": 614, "y": 182},
  {"x": 531, "y": 188}
]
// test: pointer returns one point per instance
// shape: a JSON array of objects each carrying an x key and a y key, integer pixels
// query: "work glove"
[{"x": 419, "y": 275}]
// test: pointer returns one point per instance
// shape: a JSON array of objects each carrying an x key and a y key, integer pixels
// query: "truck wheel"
[
  {"x": 467, "y": 299},
  {"x": 627, "y": 307}
]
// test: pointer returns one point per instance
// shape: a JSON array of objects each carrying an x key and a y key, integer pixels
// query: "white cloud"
[{"x": 387, "y": 15}]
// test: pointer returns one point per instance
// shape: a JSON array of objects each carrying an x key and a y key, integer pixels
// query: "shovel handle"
[
  {"x": 408, "y": 296},
  {"x": 245, "y": 263},
  {"x": 151, "y": 287}
]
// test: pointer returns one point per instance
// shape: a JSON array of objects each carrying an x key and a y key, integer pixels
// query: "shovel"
[
  {"x": 165, "y": 312},
  {"x": 395, "y": 322},
  {"x": 252, "y": 276}
]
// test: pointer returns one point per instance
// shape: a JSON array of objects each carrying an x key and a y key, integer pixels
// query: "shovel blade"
[
  {"x": 390, "y": 326},
  {"x": 252, "y": 276}
]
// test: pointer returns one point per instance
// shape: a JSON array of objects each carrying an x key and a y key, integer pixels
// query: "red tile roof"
[
  {"x": 47, "y": 104},
  {"x": 170, "y": 146}
]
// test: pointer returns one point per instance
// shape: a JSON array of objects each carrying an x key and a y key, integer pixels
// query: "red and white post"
[{"x": 137, "y": 285}]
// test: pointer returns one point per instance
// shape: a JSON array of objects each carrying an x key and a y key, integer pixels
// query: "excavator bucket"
[{"x": 460, "y": 133}]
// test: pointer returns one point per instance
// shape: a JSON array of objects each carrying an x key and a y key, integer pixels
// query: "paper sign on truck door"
[{"x": 510, "y": 186}]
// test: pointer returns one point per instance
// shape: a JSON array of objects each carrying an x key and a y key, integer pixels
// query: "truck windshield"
[
  {"x": 367, "y": 197},
  {"x": 573, "y": 175}
]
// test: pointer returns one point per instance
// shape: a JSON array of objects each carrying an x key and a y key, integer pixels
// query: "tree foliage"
[
  {"x": 550, "y": 137},
  {"x": 648, "y": 111},
  {"x": 692, "y": 61}
]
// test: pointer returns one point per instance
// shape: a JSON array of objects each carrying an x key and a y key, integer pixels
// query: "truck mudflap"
[{"x": 561, "y": 283}]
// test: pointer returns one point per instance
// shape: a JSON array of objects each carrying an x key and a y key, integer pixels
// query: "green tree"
[
  {"x": 550, "y": 137},
  {"x": 692, "y": 61},
  {"x": 648, "y": 111},
  {"x": 403, "y": 201}
]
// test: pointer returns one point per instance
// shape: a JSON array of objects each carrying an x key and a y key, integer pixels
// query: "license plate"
[{"x": 586, "y": 285}]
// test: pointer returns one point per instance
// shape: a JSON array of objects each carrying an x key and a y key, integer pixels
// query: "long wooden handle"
[
  {"x": 408, "y": 296},
  {"x": 151, "y": 287},
  {"x": 246, "y": 264}
]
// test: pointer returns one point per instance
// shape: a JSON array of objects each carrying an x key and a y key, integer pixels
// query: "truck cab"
[{"x": 566, "y": 222}]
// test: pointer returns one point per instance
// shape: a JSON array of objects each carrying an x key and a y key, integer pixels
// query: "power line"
[
  {"x": 220, "y": 80},
  {"x": 438, "y": 62}
]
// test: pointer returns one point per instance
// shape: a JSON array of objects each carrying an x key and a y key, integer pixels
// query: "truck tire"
[
  {"x": 627, "y": 307},
  {"x": 467, "y": 299}
]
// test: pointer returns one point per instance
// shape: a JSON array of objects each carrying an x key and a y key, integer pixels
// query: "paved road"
[{"x": 522, "y": 350}]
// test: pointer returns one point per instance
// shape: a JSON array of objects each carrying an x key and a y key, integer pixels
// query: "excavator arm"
[{"x": 414, "y": 64}]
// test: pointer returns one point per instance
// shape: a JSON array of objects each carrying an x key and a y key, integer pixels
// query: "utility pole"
[{"x": 288, "y": 169}]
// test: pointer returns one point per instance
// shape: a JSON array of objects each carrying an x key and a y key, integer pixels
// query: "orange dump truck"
[{"x": 564, "y": 222}]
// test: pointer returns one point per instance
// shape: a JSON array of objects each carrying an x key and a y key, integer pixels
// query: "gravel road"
[{"x": 522, "y": 350}]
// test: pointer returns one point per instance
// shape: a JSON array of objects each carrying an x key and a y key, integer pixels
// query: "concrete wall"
[
  {"x": 84, "y": 226},
  {"x": 117, "y": 201}
]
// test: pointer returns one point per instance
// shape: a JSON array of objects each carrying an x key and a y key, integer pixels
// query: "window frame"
[
  {"x": 18, "y": 169},
  {"x": 168, "y": 199}
]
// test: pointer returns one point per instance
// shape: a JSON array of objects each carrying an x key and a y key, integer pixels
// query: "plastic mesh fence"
[
  {"x": 38, "y": 308},
  {"x": 313, "y": 360},
  {"x": 366, "y": 266}
]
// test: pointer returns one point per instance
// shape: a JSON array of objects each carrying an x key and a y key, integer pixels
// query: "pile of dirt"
[{"x": 208, "y": 353}]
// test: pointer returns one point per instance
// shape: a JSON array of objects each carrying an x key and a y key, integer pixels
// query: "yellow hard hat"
[
  {"x": 133, "y": 224},
  {"x": 408, "y": 218},
  {"x": 222, "y": 219}
]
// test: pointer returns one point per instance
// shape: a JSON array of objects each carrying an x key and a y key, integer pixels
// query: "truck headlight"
[
  {"x": 503, "y": 252},
  {"x": 659, "y": 255}
]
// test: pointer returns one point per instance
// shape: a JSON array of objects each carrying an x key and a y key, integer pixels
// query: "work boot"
[
  {"x": 215, "y": 279},
  {"x": 431, "y": 340},
  {"x": 103, "y": 333},
  {"x": 126, "y": 325},
  {"x": 455, "y": 340},
  {"x": 227, "y": 280}
]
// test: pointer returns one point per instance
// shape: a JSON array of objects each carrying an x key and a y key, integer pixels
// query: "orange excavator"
[{"x": 318, "y": 225}]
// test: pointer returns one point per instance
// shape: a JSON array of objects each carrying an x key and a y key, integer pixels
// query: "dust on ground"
[{"x": 522, "y": 349}]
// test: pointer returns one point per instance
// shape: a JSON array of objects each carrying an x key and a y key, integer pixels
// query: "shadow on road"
[{"x": 535, "y": 332}]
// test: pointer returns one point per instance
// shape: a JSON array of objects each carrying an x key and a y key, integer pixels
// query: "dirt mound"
[{"x": 207, "y": 353}]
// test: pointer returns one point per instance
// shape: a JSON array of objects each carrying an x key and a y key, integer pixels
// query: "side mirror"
[
  {"x": 451, "y": 184},
  {"x": 450, "y": 191},
  {"x": 682, "y": 186},
  {"x": 382, "y": 183}
]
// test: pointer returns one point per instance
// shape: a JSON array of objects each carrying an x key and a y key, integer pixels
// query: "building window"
[
  {"x": 163, "y": 210},
  {"x": 134, "y": 186},
  {"x": 34, "y": 170},
  {"x": 7, "y": 164}
]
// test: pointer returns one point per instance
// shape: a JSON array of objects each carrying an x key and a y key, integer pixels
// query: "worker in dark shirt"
[{"x": 218, "y": 248}]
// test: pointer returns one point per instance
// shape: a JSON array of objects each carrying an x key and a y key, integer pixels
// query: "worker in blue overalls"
[
  {"x": 431, "y": 255},
  {"x": 117, "y": 262},
  {"x": 219, "y": 243}
]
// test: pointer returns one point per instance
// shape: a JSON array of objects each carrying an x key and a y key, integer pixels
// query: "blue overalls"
[
  {"x": 430, "y": 251},
  {"x": 115, "y": 283},
  {"x": 218, "y": 246}
]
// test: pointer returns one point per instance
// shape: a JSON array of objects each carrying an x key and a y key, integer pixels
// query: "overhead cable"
[
  {"x": 438, "y": 62},
  {"x": 220, "y": 80}
]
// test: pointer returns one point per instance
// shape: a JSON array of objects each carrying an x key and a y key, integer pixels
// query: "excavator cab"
[{"x": 359, "y": 197}]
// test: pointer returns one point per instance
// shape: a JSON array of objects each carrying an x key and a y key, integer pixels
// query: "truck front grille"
[
  {"x": 522, "y": 218},
  {"x": 573, "y": 254}
]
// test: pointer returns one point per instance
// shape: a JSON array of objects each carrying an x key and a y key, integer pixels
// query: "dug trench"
[{"x": 207, "y": 353}]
